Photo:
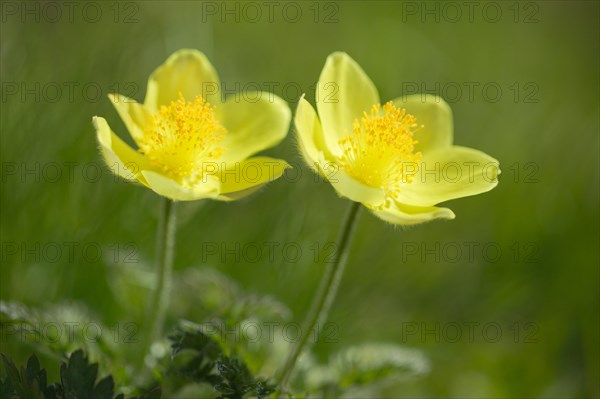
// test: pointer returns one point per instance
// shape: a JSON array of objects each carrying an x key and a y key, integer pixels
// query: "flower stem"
[
  {"x": 326, "y": 293},
  {"x": 159, "y": 300}
]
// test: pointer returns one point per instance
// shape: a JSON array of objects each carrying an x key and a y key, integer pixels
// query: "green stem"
[
  {"x": 326, "y": 293},
  {"x": 159, "y": 300}
]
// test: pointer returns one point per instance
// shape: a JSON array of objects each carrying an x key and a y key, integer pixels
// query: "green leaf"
[
  {"x": 12, "y": 373},
  {"x": 30, "y": 382},
  {"x": 238, "y": 381},
  {"x": 201, "y": 359},
  {"x": 194, "y": 355},
  {"x": 78, "y": 379},
  {"x": 33, "y": 371}
]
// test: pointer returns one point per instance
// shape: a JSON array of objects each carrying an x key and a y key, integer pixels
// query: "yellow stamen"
[
  {"x": 182, "y": 136},
  {"x": 381, "y": 148}
]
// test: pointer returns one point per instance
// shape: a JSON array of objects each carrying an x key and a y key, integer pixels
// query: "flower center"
[
  {"x": 182, "y": 137},
  {"x": 380, "y": 150}
]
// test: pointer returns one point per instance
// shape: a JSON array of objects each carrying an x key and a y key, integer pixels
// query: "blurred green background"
[{"x": 400, "y": 283}]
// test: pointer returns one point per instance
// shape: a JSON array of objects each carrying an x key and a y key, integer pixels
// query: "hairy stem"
[
  {"x": 159, "y": 300},
  {"x": 326, "y": 293}
]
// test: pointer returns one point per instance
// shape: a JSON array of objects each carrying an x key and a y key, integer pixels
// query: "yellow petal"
[
  {"x": 406, "y": 215},
  {"x": 344, "y": 92},
  {"x": 346, "y": 186},
  {"x": 449, "y": 173},
  {"x": 122, "y": 160},
  {"x": 169, "y": 188},
  {"x": 254, "y": 122},
  {"x": 310, "y": 134},
  {"x": 249, "y": 173},
  {"x": 186, "y": 71},
  {"x": 134, "y": 115},
  {"x": 434, "y": 114}
]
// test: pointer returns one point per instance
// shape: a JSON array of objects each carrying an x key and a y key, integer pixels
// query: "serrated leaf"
[
  {"x": 263, "y": 389},
  {"x": 11, "y": 370},
  {"x": 224, "y": 389},
  {"x": 30, "y": 382},
  {"x": 206, "y": 363},
  {"x": 6, "y": 389},
  {"x": 194, "y": 355},
  {"x": 78, "y": 379},
  {"x": 34, "y": 373},
  {"x": 197, "y": 341},
  {"x": 105, "y": 388},
  {"x": 53, "y": 391}
]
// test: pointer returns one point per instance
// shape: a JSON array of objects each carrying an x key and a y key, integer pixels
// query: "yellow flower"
[
  {"x": 191, "y": 145},
  {"x": 397, "y": 159}
]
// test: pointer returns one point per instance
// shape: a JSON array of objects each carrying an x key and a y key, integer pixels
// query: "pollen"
[
  {"x": 182, "y": 138},
  {"x": 380, "y": 152}
]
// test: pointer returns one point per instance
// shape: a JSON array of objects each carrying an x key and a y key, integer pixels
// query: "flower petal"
[
  {"x": 135, "y": 116},
  {"x": 236, "y": 195},
  {"x": 346, "y": 186},
  {"x": 122, "y": 160},
  {"x": 250, "y": 173},
  {"x": 310, "y": 134},
  {"x": 169, "y": 188},
  {"x": 434, "y": 114},
  {"x": 449, "y": 173},
  {"x": 187, "y": 71},
  {"x": 406, "y": 215},
  {"x": 252, "y": 125},
  {"x": 344, "y": 93}
]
